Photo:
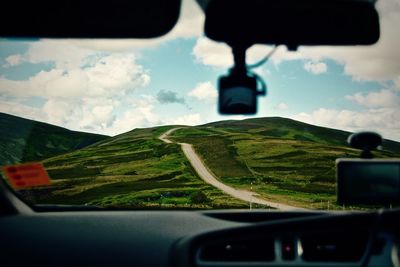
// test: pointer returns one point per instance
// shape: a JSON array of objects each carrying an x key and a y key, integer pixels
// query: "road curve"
[
  {"x": 208, "y": 177},
  {"x": 164, "y": 136}
]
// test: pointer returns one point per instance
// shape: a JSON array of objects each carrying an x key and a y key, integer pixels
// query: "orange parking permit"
[{"x": 23, "y": 176}]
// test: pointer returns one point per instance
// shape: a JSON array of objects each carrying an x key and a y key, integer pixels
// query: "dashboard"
[{"x": 200, "y": 238}]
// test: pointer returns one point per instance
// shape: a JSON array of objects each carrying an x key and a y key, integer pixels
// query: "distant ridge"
[
  {"x": 281, "y": 160},
  {"x": 23, "y": 140},
  {"x": 291, "y": 129}
]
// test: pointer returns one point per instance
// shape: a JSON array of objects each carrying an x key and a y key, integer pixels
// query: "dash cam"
[
  {"x": 238, "y": 90},
  {"x": 238, "y": 93}
]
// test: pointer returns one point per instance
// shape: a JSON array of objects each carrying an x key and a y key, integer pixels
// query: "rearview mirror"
[{"x": 292, "y": 22}]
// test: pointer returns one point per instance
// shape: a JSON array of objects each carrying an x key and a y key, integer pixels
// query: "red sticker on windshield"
[{"x": 26, "y": 175}]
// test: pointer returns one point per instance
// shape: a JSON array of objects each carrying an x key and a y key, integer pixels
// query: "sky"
[{"x": 114, "y": 86}]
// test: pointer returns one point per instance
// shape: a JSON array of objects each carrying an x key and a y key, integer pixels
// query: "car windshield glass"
[{"x": 133, "y": 124}]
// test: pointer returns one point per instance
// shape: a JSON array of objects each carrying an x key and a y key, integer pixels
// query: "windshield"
[{"x": 133, "y": 124}]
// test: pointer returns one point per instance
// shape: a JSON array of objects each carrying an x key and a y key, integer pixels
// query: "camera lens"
[{"x": 238, "y": 100}]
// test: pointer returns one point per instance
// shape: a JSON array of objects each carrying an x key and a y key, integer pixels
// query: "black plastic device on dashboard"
[{"x": 366, "y": 180}]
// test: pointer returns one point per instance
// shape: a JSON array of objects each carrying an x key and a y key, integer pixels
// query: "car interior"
[{"x": 64, "y": 235}]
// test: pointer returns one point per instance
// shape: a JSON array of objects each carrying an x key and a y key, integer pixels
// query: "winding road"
[{"x": 208, "y": 177}]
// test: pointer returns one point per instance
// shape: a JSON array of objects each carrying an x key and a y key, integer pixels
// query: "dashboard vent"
[
  {"x": 336, "y": 247},
  {"x": 238, "y": 250}
]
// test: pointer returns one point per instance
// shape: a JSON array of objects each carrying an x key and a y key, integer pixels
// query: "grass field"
[
  {"x": 132, "y": 170},
  {"x": 282, "y": 160}
]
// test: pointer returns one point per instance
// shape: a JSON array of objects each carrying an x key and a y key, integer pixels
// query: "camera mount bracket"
[
  {"x": 366, "y": 141},
  {"x": 238, "y": 90}
]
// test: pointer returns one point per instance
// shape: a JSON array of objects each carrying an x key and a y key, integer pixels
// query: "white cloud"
[
  {"x": 61, "y": 52},
  {"x": 84, "y": 93},
  {"x": 204, "y": 91},
  {"x": 61, "y": 112},
  {"x": 383, "y": 120},
  {"x": 212, "y": 53},
  {"x": 385, "y": 98},
  {"x": 117, "y": 72},
  {"x": 380, "y": 112},
  {"x": 18, "y": 109},
  {"x": 281, "y": 106},
  {"x": 13, "y": 60},
  {"x": 112, "y": 75},
  {"x": 96, "y": 115},
  {"x": 397, "y": 83},
  {"x": 140, "y": 114},
  {"x": 315, "y": 67},
  {"x": 188, "y": 119}
]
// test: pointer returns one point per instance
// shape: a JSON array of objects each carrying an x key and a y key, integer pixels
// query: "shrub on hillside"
[{"x": 199, "y": 198}]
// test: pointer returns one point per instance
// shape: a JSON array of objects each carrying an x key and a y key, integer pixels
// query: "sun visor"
[{"x": 88, "y": 18}]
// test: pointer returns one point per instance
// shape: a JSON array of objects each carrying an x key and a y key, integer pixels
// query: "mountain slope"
[
  {"x": 290, "y": 129},
  {"x": 283, "y": 160},
  {"x": 23, "y": 140},
  {"x": 131, "y": 170}
]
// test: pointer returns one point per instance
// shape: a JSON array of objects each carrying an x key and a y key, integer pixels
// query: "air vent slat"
[
  {"x": 239, "y": 250},
  {"x": 334, "y": 246}
]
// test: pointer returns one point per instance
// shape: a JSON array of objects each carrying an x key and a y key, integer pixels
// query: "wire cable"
[
  {"x": 265, "y": 59},
  {"x": 263, "y": 89}
]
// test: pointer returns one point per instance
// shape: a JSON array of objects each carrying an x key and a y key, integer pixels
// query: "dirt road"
[{"x": 208, "y": 177}]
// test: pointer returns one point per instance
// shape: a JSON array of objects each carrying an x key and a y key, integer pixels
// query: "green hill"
[
  {"x": 131, "y": 170},
  {"x": 290, "y": 129},
  {"x": 281, "y": 159},
  {"x": 23, "y": 140}
]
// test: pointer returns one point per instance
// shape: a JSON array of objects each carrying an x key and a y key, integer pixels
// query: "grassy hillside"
[
  {"x": 291, "y": 129},
  {"x": 281, "y": 159},
  {"x": 23, "y": 140},
  {"x": 132, "y": 170}
]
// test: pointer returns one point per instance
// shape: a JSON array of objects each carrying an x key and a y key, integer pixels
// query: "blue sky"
[{"x": 111, "y": 87}]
